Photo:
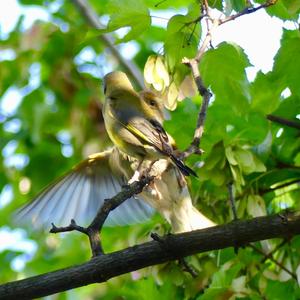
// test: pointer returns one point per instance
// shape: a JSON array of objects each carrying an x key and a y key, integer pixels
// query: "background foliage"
[{"x": 56, "y": 67}]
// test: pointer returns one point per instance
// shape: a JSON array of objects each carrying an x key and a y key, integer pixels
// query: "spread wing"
[{"x": 79, "y": 194}]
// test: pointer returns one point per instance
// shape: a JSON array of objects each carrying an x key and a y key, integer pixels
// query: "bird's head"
[
  {"x": 154, "y": 105},
  {"x": 116, "y": 81}
]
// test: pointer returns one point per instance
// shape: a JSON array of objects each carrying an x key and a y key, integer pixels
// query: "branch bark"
[
  {"x": 170, "y": 247},
  {"x": 93, "y": 20},
  {"x": 203, "y": 91}
]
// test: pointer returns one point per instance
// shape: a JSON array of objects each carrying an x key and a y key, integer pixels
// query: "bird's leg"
[
  {"x": 148, "y": 170},
  {"x": 152, "y": 186}
]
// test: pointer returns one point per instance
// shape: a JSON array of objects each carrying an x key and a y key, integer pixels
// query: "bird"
[
  {"x": 132, "y": 124},
  {"x": 80, "y": 192}
]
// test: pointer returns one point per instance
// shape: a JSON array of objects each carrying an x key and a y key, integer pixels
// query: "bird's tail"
[
  {"x": 184, "y": 169},
  {"x": 170, "y": 196},
  {"x": 187, "y": 218}
]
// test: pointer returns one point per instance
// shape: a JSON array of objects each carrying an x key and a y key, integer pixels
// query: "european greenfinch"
[
  {"x": 81, "y": 192},
  {"x": 132, "y": 125}
]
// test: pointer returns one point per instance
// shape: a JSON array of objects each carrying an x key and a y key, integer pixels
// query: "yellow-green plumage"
[{"x": 133, "y": 126}]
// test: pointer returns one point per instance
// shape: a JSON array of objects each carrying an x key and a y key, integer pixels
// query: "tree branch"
[
  {"x": 203, "y": 91},
  {"x": 93, "y": 230},
  {"x": 170, "y": 247},
  {"x": 247, "y": 11},
  {"x": 283, "y": 121},
  {"x": 193, "y": 63},
  {"x": 93, "y": 20}
]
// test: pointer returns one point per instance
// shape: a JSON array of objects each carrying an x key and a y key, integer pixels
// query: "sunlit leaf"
[
  {"x": 287, "y": 60},
  {"x": 134, "y": 14},
  {"x": 223, "y": 69},
  {"x": 256, "y": 206},
  {"x": 172, "y": 96}
]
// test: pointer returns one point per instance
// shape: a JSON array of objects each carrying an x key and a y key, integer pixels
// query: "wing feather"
[{"x": 79, "y": 194}]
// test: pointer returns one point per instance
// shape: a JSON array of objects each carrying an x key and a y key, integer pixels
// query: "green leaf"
[
  {"x": 285, "y": 9},
  {"x": 214, "y": 293},
  {"x": 287, "y": 60},
  {"x": 257, "y": 126},
  {"x": 253, "y": 128},
  {"x": 248, "y": 162},
  {"x": 186, "y": 110},
  {"x": 215, "y": 157},
  {"x": 256, "y": 206},
  {"x": 132, "y": 13},
  {"x": 181, "y": 40},
  {"x": 244, "y": 157},
  {"x": 265, "y": 93},
  {"x": 230, "y": 156},
  {"x": 221, "y": 281},
  {"x": 224, "y": 277},
  {"x": 216, "y": 4},
  {"x": 223, "y": 69},
  {"x": 259, "y": 166},
  {"x": 280, "y": 290}
]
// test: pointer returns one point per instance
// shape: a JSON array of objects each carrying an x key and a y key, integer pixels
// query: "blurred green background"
[{"x": 51, "y": 70}]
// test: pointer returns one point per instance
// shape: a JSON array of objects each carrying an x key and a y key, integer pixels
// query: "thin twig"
[
  {"x": 265, "y": 191},
  {"x": 93, "y": 20},
  {"x": 195, "y": 144},
  {"x": 283, "y": 121},
  {"x": 207, "y": 40},
  {"x": 159, "y": 3},
  {"x": 73, "y": 226},
  {"x": 206, "y": 5},
  {"x": 247, "y": 11},
  {"x": 268, "y": 255},
  {"x": 187, "y": 268},
  {"x": 203, "y": 91},
  {"x": 93, "y": 230},
  {"x": 280, "y": 265}
]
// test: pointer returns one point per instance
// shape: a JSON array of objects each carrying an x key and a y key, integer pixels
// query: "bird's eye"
[{"x": 152, "y": 102}]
